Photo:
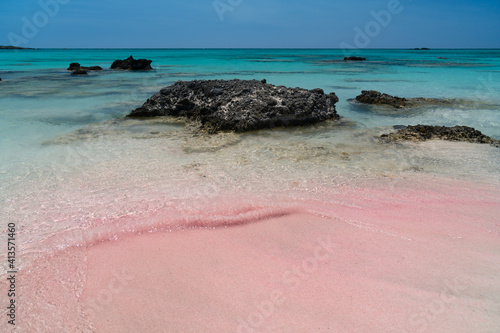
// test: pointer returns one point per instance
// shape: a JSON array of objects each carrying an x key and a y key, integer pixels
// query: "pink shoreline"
[{"x": 416, "y": 257}]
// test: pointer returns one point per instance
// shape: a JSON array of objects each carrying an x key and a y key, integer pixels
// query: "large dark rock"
[
  {"x": 240, "y": 105},
  {"x": 132, "y": 64},
  {"x": 354, "y": 58},
  {"x": 427, "y": 132},
  {"x": 74, "y": 66}
]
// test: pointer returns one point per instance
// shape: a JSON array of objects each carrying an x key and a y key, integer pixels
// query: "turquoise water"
[
  {"x": 70, "y": 164},
  {"x": 39, "y": 100},
  {"x": 46, "y": 99}
]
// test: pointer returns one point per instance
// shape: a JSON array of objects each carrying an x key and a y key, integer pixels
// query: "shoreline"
[{"x": 427, "y": 254}]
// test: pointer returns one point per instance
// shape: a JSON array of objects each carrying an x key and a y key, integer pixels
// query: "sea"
[{"x": 74, "y": 171}]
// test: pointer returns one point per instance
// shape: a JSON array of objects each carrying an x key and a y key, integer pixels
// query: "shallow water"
[{"x": 67, "y": 154}]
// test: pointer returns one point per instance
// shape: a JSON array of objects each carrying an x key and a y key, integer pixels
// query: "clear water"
[{"x": 72, "y": 170}]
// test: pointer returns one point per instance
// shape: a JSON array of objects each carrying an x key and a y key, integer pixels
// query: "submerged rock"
[
  {"x": 427, "y": 132},
  {"x": 240, "y": 105},
  {"x": 377, "y": 98},
  {"x": 79, "y": 72},
  {"x": 132, "y": 64},
  {"x": 354, "y": 59}
]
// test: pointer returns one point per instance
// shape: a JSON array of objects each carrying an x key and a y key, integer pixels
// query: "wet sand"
[{"x": 422, "y": 256}]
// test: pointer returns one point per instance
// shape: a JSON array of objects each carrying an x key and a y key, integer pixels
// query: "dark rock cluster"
[
  {"x": 240, "y": 105},
  {"x": 427, "y": 132},
  {"x": 132, "y": 64},
  {"x": 128, "y": 64}
]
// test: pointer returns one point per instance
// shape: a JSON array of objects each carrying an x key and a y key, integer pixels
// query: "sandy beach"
[{"x": 418, "y": 256}]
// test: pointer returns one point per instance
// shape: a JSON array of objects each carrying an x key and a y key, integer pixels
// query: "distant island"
[{"x": 14, "y": 48}]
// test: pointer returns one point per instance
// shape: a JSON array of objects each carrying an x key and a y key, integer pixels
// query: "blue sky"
[{"x": 250, "y": 23}]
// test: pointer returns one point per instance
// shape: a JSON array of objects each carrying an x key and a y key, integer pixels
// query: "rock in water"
[
  {"x": 240, "y": 105},
  {"x": 75, "y": 67},
  {"x": 354, "y": 59},
  {"x": 427, "y": 132},
  {"x": 79, "y": 72},
  {"x": 378, "y": 98},
  {"x": 132, "y": 64},
  {"x": 375, "y": 97}
]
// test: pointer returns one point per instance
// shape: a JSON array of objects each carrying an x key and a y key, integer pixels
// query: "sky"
[{"x": 250, "y": 23}]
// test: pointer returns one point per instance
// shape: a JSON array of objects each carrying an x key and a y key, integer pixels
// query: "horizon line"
[{"x": 247, "y": 48}]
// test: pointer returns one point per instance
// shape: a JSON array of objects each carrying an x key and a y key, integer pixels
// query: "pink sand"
[{"x": 418, "y": 257}]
